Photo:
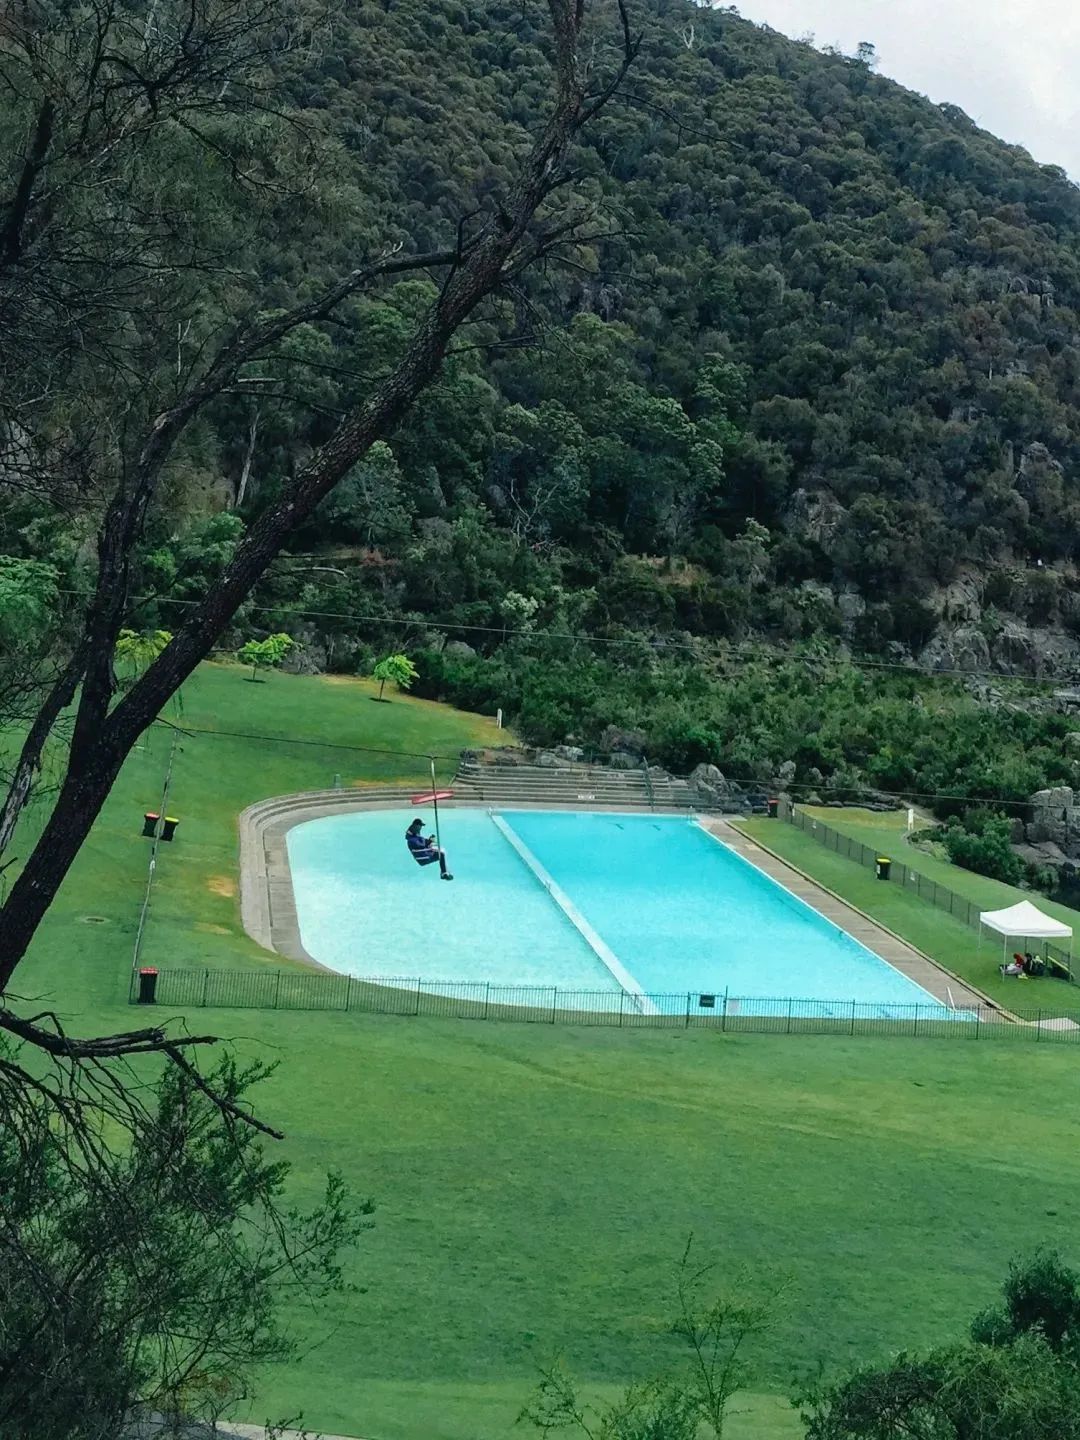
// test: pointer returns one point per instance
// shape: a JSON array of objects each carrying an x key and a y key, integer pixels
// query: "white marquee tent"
[{"x": 1025, "y": 921}]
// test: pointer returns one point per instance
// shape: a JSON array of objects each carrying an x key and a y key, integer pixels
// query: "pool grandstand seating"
[{"x": 575, "y": 786}]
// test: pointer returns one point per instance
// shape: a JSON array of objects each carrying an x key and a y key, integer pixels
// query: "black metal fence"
[
  {"x": 1060, "y": 961},
  {"x": 548, "y": 1005}
]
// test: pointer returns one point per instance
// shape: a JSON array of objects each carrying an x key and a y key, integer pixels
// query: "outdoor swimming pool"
[{"x": 581, "y": 901}]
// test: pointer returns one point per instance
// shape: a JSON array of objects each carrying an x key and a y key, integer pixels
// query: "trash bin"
[
  {"x": 147, "y": 985},
  {"x": 168, "y": 830},
  {"x": 883, "y": 867},
  {"x": 150, "y": 820},
  {"x": 774, "y": 806}
]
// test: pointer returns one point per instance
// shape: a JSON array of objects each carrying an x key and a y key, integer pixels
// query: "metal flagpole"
[{"x": 435, "y": 802}]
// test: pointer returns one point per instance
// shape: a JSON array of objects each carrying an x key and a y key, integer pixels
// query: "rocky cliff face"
[
  {"x": 1051, "y": 837},
  {"x": 1008, "y": 647}
]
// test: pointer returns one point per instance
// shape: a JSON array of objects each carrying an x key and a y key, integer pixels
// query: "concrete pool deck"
[
  {"x": 942, "y": 984},
  {"x": 268, "y": 904}
]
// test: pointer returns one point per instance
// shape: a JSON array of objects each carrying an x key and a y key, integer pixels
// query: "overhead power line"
[
  {"x": 298, "y": 740},
  {"x": 902, "y": 796},
  {"x": 745, "y": 650}
]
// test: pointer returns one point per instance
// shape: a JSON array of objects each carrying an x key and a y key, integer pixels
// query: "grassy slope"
[
  {"x": 194, "y": 917},
  {"x": 933, "y": 931},
  {"x": 535, "y": 1184},
  {"x": 887, "y": 833}
]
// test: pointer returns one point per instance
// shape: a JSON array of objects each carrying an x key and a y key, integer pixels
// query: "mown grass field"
[
  {"x": 240, "y": 742},
  {"x": 887, "y": 833},
  {"x": 535, "y": 1185}
]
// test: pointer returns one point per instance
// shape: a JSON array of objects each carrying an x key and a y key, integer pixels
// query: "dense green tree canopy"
[{"x": 813, "y": 361}]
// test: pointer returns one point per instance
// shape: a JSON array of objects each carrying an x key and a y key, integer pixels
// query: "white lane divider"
[{"x": 574, "y": 915}]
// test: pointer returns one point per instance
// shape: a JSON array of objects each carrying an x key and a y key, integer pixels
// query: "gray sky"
[{"x": 1013, "y": 65}]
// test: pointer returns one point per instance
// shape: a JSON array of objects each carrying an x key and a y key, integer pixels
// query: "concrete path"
[
  {"x": 940, "y": 983},
  {"x": 256, "y": 1432},
  {"x": 154, "y": 1428}
]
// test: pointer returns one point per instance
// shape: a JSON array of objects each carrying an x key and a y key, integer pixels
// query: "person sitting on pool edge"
[{"x": 423, "y": 849}]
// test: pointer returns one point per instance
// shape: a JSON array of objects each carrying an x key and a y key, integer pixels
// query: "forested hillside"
[{"x": 811, "y": 375}]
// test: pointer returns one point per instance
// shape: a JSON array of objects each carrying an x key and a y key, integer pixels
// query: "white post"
[{"x": 498, "y": 718}]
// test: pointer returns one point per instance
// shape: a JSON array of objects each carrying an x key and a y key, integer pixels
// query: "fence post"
[
  {"x": 723, "y": 1013},
  {"x": 1038, "y": 1027},
  {"x": 348, "y": 993},
  {"x": 487, "y": 998},
  {"x": 978, "y": 1020},
  {"x": 915, "y": 1027},
  {"x": 417, "y": 1010},
  {"x": 622, "y": 1003},
  {"x": 205, "y": 987},
  {"x": 277, "y": 990},
  {"x": 789, "y": 1005},
  {"x": 554, "y": 1002},
  {"x": 853, "y": 1017},
  {"x": 688, "y": 1010}
]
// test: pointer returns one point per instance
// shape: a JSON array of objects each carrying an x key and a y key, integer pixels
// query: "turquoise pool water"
[{"x": 673, "y": 910}]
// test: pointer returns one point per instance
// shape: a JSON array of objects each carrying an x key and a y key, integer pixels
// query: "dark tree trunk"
[{"x": 102, "y": 738}]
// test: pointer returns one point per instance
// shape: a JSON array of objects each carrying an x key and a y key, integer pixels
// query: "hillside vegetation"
[{"x": 813, "y": 380}]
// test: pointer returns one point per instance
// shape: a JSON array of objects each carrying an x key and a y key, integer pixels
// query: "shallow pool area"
[{"x": 606, "y": 903}]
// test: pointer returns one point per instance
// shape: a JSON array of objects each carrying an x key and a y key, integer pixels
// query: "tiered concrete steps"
[{"x": 578, "y": 787}]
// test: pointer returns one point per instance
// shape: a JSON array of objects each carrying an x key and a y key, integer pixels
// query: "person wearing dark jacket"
[{"x": 424, "y": 850}]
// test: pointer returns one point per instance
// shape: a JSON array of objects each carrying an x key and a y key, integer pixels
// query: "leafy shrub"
[{"x": 985, "y": 849}]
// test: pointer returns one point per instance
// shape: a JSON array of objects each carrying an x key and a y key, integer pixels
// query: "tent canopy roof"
[{"x": 1024, "y": 919}]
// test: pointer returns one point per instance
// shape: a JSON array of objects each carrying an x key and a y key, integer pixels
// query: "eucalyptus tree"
[{"x": 149, "y": 156}]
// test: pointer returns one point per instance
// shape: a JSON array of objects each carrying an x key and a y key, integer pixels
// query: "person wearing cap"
[{"x": 424, "y": 850}]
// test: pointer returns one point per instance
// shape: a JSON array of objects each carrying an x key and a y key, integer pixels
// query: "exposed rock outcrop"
[
  {"x": 1021, "y": 649},
  {"x": 1038, "y": 473},
  {"x": 965, "y": 648},
  {"x": 630, "y": 742},
  {"x": 815, "y": 515},
  {"x": 1015, "y": 649},
  {"x": 1053, "y": 818},
  {"x": 710, "y": 786}
]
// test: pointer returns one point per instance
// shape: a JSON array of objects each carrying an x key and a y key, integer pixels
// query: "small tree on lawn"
[
  {"x": 398, "y": 668},
  {"x": 265, "y": 654},
  {"x": 689, "y": 1399},
  {"x": 136, "y": 651}
]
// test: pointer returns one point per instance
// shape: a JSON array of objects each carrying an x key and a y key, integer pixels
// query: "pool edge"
[
  {"x": 268, "y": 905},
  {"x": 979, "y": 1000},
  {"x": 267, "y": 899}
]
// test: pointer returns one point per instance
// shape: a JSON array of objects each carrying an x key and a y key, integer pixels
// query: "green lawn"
[
  {"x": 945, "y": 939},
  {"x": 314, "y": 728},
  {"x": 887, "y": 833},
  {"x": 535, "y": 1184}
]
